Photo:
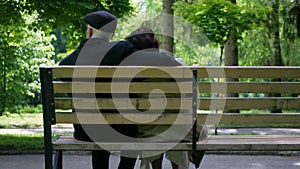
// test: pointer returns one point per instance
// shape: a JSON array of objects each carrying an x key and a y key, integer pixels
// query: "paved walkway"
[{"x": 209, "y": 162}]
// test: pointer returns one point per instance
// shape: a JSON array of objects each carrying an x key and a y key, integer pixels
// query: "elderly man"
[{"x": 97, "y": 50}]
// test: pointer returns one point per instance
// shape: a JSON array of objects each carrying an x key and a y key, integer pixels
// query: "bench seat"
[{"x": 213, "y": 143}]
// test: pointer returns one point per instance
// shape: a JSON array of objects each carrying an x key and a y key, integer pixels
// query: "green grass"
[
  {"x": 24, "y": 120},
  {"x": 21, "y": 142}
]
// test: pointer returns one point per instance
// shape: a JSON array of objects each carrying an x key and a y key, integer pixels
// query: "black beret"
[{"x": 102, "y": 20}]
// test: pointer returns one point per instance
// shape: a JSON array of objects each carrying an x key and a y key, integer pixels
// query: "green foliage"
[
  {"x": 144, "y": 13},
  {"x": 22, "y": 52},
  {"x": 190, "y": 43},
  {"x": 55, "y": 14},
  {"x": 18, "y": 109},
  {"x": 150, "y": 6},
  {"x": 59, "y": 43},
  {"x": 256, "y": 49},
  {"x": 198, "y": 55},
  {"x": 40, "y": 32},
  {"x": 290, "y": 14},
  {"x": 257, "y": 46},
  {"x": 290, "y": 51},
  {"x": 29, "y": 31},
  {"x": 218, "y": 18},
  {"x": 68, "y": 14}
]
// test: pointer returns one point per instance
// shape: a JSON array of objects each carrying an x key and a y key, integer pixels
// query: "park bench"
[{"x": 205, "y": 90}]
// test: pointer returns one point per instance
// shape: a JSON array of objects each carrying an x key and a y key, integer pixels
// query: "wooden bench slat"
[
  {"x": 136, "y": 87},
  {"x": 203, "y": 71},
  {"x": 69, "y": 143},
  {"x": 128, "y": 118},
  {"x": 203, "y": 103},
  {"x": 120, "y": 72},
  {"x": 213, "y": 143},
  {"x": 251, "y": 143},
  {"x": 184, "y": 87},
  {"x": 248, "y": 119},
  {"x": 248, "y": 71},
  {"x": 249, "y": 87},
  {"x": 203, "y": 118},
  {"x": 123, "y": 103},
  {"x": 249, "y": 103}
]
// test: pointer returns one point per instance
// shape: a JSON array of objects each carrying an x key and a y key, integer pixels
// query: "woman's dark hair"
[{"x": 143, "y": 38}]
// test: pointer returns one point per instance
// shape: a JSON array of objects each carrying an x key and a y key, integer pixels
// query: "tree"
[
  {"x": 26, "y": 30},
  {"x": 168, "y": 26},
  {"x": 290, "y": 14},
  {"x": 275, "y": 31},
  {"x": 20, "y": 59},
  {"x": 218, "y": 18},
  {"x": 258, "y": 46},
  {"x": 189, "y": 42},
  {"x": 67, "y": 14},
  {"x": 231, "y": 59},
  {"x": 224, "y": 23},
  {"x": 4, "y": 54}
]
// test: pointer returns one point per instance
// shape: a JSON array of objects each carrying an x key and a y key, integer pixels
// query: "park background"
[{"x": 204, "y": 32}]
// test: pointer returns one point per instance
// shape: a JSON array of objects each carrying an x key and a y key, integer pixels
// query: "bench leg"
[
  {"x": 197, "y": 157},
  {"x": 48, "y": 161},
  {"x": 48, "y": 157},
  {"x": 216, "y": 131},
  {"x": 58, "y": 159}
]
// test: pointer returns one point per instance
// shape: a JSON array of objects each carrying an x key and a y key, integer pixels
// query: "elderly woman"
[{"x": 145, "y": 41}]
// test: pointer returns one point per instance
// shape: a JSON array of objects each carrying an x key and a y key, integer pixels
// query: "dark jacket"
[
  {"x": 150, "y": 58},
  {"x": 95, "y": 51}
]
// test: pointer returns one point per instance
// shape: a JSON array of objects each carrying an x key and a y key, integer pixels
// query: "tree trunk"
[
  {"x": 297, "y": 7},
  {"x": 168, "y": 26},
  {"x": 231, "y": 59},
  {"x": 276, "y": 45},
  {"x": 231, "y": 51},
  {"x": 3, "y": 85}
]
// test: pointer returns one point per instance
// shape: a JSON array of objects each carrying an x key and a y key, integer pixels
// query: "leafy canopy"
[
  {"x": 218, "y": 18},
  {"x": 27, "y": 35},
  {"x": 53, "y": 14}
]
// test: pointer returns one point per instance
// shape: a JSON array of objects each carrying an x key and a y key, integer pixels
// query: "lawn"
[
  {"x": 18, "y": 143},
  {"x": 24, "y": 120},
  {"x": 21, "y": 142}
]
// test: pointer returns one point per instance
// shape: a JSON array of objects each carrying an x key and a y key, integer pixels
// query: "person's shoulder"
[
  {"x": 83, "y": 41},
  {"x": 180, "y": 60},
  {"x": 71, "y": 58},
  {"x": 123, "y": 43},
  {"x": 124, "y": 46},
  {"x": 174, "y": 61}
]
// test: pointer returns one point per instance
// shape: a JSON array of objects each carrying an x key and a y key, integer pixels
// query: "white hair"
[{"x": 101, "y": 34}]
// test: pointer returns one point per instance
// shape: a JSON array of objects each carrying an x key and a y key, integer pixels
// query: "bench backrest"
[
  {"x": 259, "y": 90},
  {"x": 127, "y": 89},
  {"x": 89, "y": 90}
]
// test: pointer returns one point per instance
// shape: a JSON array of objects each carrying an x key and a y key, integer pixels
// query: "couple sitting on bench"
[{"x": 141, "y": 48}]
